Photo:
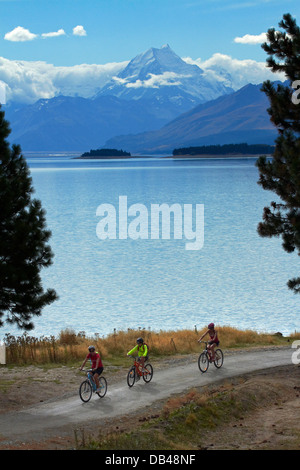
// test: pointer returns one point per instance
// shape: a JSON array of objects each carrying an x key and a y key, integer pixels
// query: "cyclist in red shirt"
[{"x": 97, "y": 366}]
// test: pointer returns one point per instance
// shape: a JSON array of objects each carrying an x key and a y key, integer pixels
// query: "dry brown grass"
[
  {"x": 295, "y": 336},
  {"x": 72, "y": 347}
]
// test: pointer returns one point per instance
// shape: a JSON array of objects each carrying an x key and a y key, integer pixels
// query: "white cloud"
[
  {"x": 20, "y": 34},
  {"x": 26, "y": 82},
  {"x": 79, "y": 31},
  {"x": 156, "y": 81},
  {"x": 54, "y": 34},
  {"x": 251, "y": 39},
  {"x": 2, "y": 93},
  {"x": 119, "y": 80},
  {"x": 234, "y": 72}
]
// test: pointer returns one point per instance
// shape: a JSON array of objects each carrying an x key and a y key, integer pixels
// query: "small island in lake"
[
  {"x": 229, "y": 150},
  {"x": 105, "y": 153}
]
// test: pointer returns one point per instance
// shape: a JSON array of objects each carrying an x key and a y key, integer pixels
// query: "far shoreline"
[
  {"x": 201, "y": 156},
  {"x": 172, "y": 157},
  {"x": 111, "y": 157}
]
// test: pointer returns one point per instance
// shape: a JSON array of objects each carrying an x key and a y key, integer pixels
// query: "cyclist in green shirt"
[{"x": 142, "y": 349}]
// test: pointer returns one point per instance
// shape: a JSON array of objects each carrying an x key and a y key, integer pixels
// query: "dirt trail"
[{"x": 41, "y": 409}]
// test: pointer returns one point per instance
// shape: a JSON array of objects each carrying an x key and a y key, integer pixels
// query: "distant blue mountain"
[
  {"x": 78, "y": 124},
  {"x": 235, "y": 118}
]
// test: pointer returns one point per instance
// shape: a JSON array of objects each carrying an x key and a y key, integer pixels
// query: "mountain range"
[
  {"x": 157, "y": 102},
  {"x": 236, "y": 118}
]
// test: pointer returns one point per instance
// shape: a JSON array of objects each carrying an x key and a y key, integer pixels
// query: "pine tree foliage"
[
  {"x": 282, "y": 174},
  {"x": 23, "y": 240}
]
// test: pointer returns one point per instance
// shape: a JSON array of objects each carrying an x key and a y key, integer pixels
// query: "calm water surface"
[{"x": 236, "y": 279}]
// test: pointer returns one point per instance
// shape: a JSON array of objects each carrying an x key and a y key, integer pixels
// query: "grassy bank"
[
  {"x": 71, "y": 348},
  {"x": 182, "y": 423},
  {"x": 247, "y": 412}
]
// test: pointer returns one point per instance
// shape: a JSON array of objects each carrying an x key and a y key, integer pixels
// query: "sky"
[{"x": 65, "y": 34}]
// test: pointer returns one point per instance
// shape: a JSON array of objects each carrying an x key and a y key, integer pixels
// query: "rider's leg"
[
  {"x": 141, "y": 362},
  {"x": 212, "y": 348},
  {"x": 96, "y": 378}
]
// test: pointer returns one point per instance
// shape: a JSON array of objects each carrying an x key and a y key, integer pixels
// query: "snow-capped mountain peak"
[{"x": 162, "y": 74}]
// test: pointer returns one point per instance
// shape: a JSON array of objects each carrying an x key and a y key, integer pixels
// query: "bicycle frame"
[
  {"x": 136, "y": 372},
  {"x": 206, "y": 353},
  {"x": 137, "y": 365},
  {"x": 86, "y": 393},
  {"x": 90, "y": 378},
  {"x": 206, "y": 349}
]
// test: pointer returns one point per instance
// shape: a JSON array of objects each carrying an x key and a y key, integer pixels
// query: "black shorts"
[
  {"x": 98, "y": 371},
  {"x": 145, "y": 357},
  {"x": 214, "y": 342}
]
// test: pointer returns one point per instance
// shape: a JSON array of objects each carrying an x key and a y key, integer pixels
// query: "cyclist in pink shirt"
[{"x": 214, "y": 340}]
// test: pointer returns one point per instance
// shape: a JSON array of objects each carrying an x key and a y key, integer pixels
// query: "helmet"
[
  {"x": 92, "y": 348},
  {"x": 140, "y": 340},
  {"x": 211, "y": 326}
]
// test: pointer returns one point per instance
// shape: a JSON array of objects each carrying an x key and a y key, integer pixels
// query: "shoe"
[{"x": 98, "y": 389}]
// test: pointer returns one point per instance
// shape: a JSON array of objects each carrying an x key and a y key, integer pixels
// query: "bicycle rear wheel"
[
  {"x": 203, "y": 362},
  {"x": 103, "y": 387},
  {"x": 147, "y": 376},
  {"x": 219, "y": 358},
  {"x": 131, "y": 377},
  {"x": 85, "y": 391}
]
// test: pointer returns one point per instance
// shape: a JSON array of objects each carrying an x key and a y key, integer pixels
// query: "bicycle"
[
  {"x": 205, "y": 358},
  {"x": 88, "y": 387},
  {"x": 135, "y": 372}
]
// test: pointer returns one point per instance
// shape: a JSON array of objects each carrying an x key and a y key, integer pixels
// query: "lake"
[{"x": 237, "y": 278}]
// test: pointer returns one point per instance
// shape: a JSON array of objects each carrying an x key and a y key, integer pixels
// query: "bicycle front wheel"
[
  {"x": 148, "y": 374},
  {"x": 203, "y": 362},
  {"x": 103, "y": 387},
  {"x": 219, "y": 358},
  {"x": 131, "y": 377},
  {"x": 85, "y": 391}
]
